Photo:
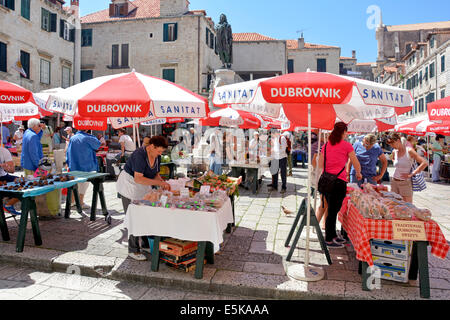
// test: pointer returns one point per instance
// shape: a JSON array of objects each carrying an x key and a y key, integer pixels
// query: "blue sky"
[{"x": 340, "y": 23}]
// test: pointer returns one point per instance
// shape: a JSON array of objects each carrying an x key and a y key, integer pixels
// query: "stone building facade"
[
  {"x": 161, "y": 38},
  {"x": 41, "y": 35},
  {"x": 423, "y": 68},
  {"x": 257, "y": 56}
]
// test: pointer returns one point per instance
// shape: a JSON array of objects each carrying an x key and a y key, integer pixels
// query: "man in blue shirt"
[
  {"x": 81, "y": 156},
  {"x": 368, "y": 152},
  {"x": 5, "y": 134},
  {"x": 31, "y": 147}
]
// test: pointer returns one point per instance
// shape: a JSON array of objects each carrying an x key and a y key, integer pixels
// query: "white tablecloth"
[{"x": 178, "y": 223}]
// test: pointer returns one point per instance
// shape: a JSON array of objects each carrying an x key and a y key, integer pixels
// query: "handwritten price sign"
[{"x": 409, "y": 230}]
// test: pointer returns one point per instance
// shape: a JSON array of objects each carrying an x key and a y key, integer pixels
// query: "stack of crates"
[
  {"x": 179, "y": 254},
  {"x": 393, "y": 257}
]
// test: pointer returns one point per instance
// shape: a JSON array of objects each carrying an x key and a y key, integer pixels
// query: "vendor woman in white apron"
[{"x": 140, "y": 174}]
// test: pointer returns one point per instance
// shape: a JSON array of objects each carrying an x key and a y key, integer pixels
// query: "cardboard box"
[
  {"x": 395, "y": 249},
  {"x": 177, "y": 247},
  {"x": 392, "y": 269}
]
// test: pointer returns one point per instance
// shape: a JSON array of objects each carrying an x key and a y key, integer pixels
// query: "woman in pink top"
[{"x": 338, "y": 152}]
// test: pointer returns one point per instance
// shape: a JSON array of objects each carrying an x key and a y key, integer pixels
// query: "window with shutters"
[
  {"x": 420, "y": 77},
  {"x": 45, "y": 71},
  {"x": 124, "y": 58},
  {"x": 432, "y": 70},
  {"x": 415, "y": 107},
  {"x": 170, "y": 32},
  {"x": 421, "y": 105},
  {"x": 86, "y": 38},
  {"x": 169, "y": 74},
  {"x": 64, "y": 30},
  {"x": 426, "y": 74},
  {"x": 10, "y": 4},
  {"x": 211, "y": 40},
  {"x": 443, "y": 94},
  {"x": 3, "y": 57},
  {"x": 86, "y": 75},
  {"x": 45, "y": 20},
  {"x": 65, "y": 78},
  {"x": 25, "y": 9},
  {"x": 115, "y": 56},
  {"x": 443, "y": 63},
  {"x": 25, "y": 61},
  {"x": 207, "y": 36},
  {"x": 321, "y": 65}
]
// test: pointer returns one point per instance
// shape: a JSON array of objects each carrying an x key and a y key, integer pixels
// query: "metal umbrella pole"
[
  {"x": 304, "y": 272},
  {"x": 316, "y": 181}
]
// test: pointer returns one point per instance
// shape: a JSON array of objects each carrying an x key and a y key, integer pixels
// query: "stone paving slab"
[{"x": 251, "y": 263}]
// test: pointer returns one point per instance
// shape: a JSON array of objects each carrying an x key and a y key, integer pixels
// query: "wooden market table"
[
  {"x": 252, "y": 169},
  {"x": 28, "y": 204},
  {"x": 361, "y": 230},
  {"x": 204, "y": 227}
]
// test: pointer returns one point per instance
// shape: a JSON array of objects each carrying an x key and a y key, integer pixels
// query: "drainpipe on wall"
[{"x": 198, "y": 57}]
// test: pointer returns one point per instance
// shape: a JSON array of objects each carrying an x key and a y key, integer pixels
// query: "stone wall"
[
  {"x": 307, "y": 59},
  {"x": 20, "y": 34}
]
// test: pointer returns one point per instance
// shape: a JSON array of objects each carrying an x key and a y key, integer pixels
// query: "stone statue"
[{"x": 225, "y": 42}]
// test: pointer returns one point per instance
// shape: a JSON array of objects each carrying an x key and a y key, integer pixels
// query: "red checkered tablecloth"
[{"x": 360, "y": 230}]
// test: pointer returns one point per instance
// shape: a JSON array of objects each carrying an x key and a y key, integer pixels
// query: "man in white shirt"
[
  {"x": 7, "y": 167},
  {"x": 279, "y": 162},
  {"x": 18, "y": 135},
  {"x": 126, "y": 143}
]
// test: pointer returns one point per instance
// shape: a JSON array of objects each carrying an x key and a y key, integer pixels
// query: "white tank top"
[{"x": 402, "y": 165}]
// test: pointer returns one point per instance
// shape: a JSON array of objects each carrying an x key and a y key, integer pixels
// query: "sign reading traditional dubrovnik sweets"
[{"x": 409, "y": 230}]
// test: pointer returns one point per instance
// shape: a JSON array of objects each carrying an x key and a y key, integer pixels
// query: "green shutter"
[
  {"x": 25, "y": 9},
  {"x": 175, "y": 32},
  {"x": 10, "y": 4},
  {"x": 53, "y": 22},
  {"x": 169, "y": 74},
  {"x": 3, "y": 57},
  {"x": 43, "y": 13},
  {"x": 166, "y": 32},
  {"x": 207, "y": 36},
  {"x": 61, "y": 28}
]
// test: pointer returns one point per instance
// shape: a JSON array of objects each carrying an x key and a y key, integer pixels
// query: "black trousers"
[
  {"x": 334, "y": 199},
  {"x": 133, "y": 242},
  {"x": 283, "y": 171}
]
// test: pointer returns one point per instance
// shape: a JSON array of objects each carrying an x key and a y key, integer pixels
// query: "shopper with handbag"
[
  {"x": 403, "y": 158},
  {"x": 438, "y": 155},
  {"x": 333, "y": 182}
]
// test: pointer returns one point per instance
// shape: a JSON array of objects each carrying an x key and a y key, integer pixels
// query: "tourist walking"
[
  {"x": 47, "y": 136},
  {"x": 81, "y": 156},
  {"x": 438, "y": 155},
  {"x": 18, "y": 135},
  {"x": 127, "y": 145},
  {"x": 140, "y": 174},
  {"x": 404, "y": 158},
  {"x": 333, "y": 159},
  {"x": 368, "y": 153},
  {"x": 278, "y": 162}
]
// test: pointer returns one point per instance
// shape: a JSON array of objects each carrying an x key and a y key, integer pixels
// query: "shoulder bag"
[{"x": 327, "y": 180}]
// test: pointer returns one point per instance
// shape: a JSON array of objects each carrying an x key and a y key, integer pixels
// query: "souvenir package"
[
  {"x": 402, "y": 212},
  {"x": 380, "y": 210},
  {"x": 423, "y": 214},
  {"x": 392, "y": 195},
  {"x": 153, "y": 195}
]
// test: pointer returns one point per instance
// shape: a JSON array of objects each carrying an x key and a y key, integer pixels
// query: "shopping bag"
[{"x": 418, "y": 180}]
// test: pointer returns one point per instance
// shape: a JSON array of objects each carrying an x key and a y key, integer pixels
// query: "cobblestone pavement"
[{"x": 251, "y": 262}]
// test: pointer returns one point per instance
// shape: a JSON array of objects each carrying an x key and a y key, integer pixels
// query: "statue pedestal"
[{"x": 224, "y": 77}]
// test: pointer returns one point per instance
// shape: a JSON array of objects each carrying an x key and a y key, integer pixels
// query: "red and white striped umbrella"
[
  {"x": 129, "y": 95},
  {"x": 228, "y": 117},
  {"x": 439, "y": 110},
  {"x": 330, "y": 97},
  {"x": 16, "y": 101}
]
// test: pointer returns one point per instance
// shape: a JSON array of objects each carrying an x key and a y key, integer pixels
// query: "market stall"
[
  {"x": 27, "y": 190},
  {"x": 202, "y": 219},
  {"x": 384, "y": 230}
]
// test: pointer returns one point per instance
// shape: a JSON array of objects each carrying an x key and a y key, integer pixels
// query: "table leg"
[
  {"x": 422, "y": 255},
  {"x": 294, "y": 225},
  {"x": 230, "y": 225},
  {"x": 209, "y": 253},
  {"x": 365, "y": 276},
  {"x": 200, "y": 259},
  {"x": 77, "y": 199},
  {"x": 94, "y": 202},
  {"x": 101, "y": 195},
  {"x": 255, "y": 181},
  {"x": 155, "y": 254},
  {"x": 35, "y": 223},
  {"x": 68, "y": 202},
  {"x": 23, "y": 225},
  {"x": 414, "y": 267},
  {"x": 3, "y": 224}
]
